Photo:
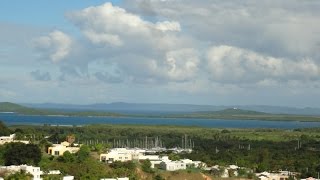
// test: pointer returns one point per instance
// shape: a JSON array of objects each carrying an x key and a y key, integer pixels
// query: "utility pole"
[
  {"x": 185, "y": 142},
  {"x": 182, "y": 142},
  {"x": 146, "y": 142}
]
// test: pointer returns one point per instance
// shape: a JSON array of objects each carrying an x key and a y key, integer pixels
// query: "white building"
[
  {"x": 156, "y": 160},
  {"x": 124, "y": 178},
  {"x": 196, "y": 164},
  {"x": 68, "y": 178},
  {"x": 59, "y": 149},
  {"x": 310, "y": 178},
  {"x": 173, "y": 165},
  {"x": 9, "y": 139},
  {"x": 180, "y": 150},
  {"x": 122, "y": 154},
  {"x": 34, "y": 171},
  {"x": 54, "y": 172},
  {"x": 222, "y": 171},
  {"x": 273, "y": 176},
  {"x": 5, "y": 139}
]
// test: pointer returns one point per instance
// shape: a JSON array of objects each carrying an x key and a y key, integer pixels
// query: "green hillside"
[
  {"x": 16, "y": 108},
  {"x": 240, "y": 114},
  {"x": 233, "y": 111},
  {"x": 11, "y": 107}
]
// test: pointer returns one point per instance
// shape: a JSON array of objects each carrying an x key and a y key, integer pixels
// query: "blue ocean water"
[{"x": 14, "y": 119}]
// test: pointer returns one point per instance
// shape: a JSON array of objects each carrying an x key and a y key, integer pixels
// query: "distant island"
[
  {"x": 228, "y": 113},
  {"x": 7, "y": 107}
]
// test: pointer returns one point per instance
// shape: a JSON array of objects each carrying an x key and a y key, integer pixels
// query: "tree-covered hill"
[
  {"x": 11, "y": 107},
  {"x": 229, "y": 113},
  {"x": 240, "y": 114},
  {"x": 232, "y": 111},
  {"x": 16, "y": 108}
]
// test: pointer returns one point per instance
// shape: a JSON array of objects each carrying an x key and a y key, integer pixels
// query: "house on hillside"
[
  {"x": 173, "y": 165},
  {"x": 124, "y": 154},
  {"x": 310, "y": 178},
  {"x": 68, "y": 178},
  {"x": 59, "y": 149},
  {"x": 121, "y": 154},
  {"x": 34, "y": 171},
  {"x": 195, "y": 164},
  {"x": 272, "y": 176},
  {"x": 9, "y": 139}
]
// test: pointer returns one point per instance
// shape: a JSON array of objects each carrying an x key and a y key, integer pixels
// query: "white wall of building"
[
  {"x": 124, "y": 178},
  {"x": 59, "y": 149},
  {"x": 9, "y": 139},
  {"x": 68, "y": 178},
  {"x": 122, "y": 154},
  {"x": 34, "y": 171},
  {"x": 173, "y": 165}
]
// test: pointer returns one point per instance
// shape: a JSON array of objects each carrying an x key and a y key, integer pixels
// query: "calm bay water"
[{"x": 14, "y": 119}]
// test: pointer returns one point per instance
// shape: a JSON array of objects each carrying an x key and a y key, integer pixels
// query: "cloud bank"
[
  {"x": 197, "y": 41},
  {"x": 207, "y": 49}
]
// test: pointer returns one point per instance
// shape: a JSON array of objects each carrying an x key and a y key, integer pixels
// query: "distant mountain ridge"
[
  {"x": 16, "y": 108},
  {"x": 7, "y": 107},
  {"x": 174, "y": 108},
  {"x": 226, "y": 113},
  {"x": 136, "y": 108},
  {"x": 233, "y": 111}
]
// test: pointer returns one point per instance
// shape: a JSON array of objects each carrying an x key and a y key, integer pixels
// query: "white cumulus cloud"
[
  {"x": 112, "y": 25},
  {"x": 56, "y": 44},
  {"x": 231, "y": 64},
  {"x": 182, "y": 64},
  {"x": 168, "y": 26}
]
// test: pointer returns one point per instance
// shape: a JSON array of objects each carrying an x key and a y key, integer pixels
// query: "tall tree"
[
  {"x": 4, "y": 131},
  {"x": 20, "y": 153}
]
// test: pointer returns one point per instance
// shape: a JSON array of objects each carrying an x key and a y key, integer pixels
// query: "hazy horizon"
[
  {"x": 220, "y": 53},
  {"x": 159, "y": 103}
]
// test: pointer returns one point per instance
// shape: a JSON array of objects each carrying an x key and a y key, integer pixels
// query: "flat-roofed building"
[
  {"x": 10, "y": 139},
  {"x": 59, "y": 149},
  {"x": 173, "y": 165}
]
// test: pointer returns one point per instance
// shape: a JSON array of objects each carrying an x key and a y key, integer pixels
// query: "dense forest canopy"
[{"x": 258, "y": 149}]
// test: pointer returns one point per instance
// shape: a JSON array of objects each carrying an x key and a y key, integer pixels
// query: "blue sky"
[
  {"x": 43, "y": 12},
  {"x": 161, "y": 51}
]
